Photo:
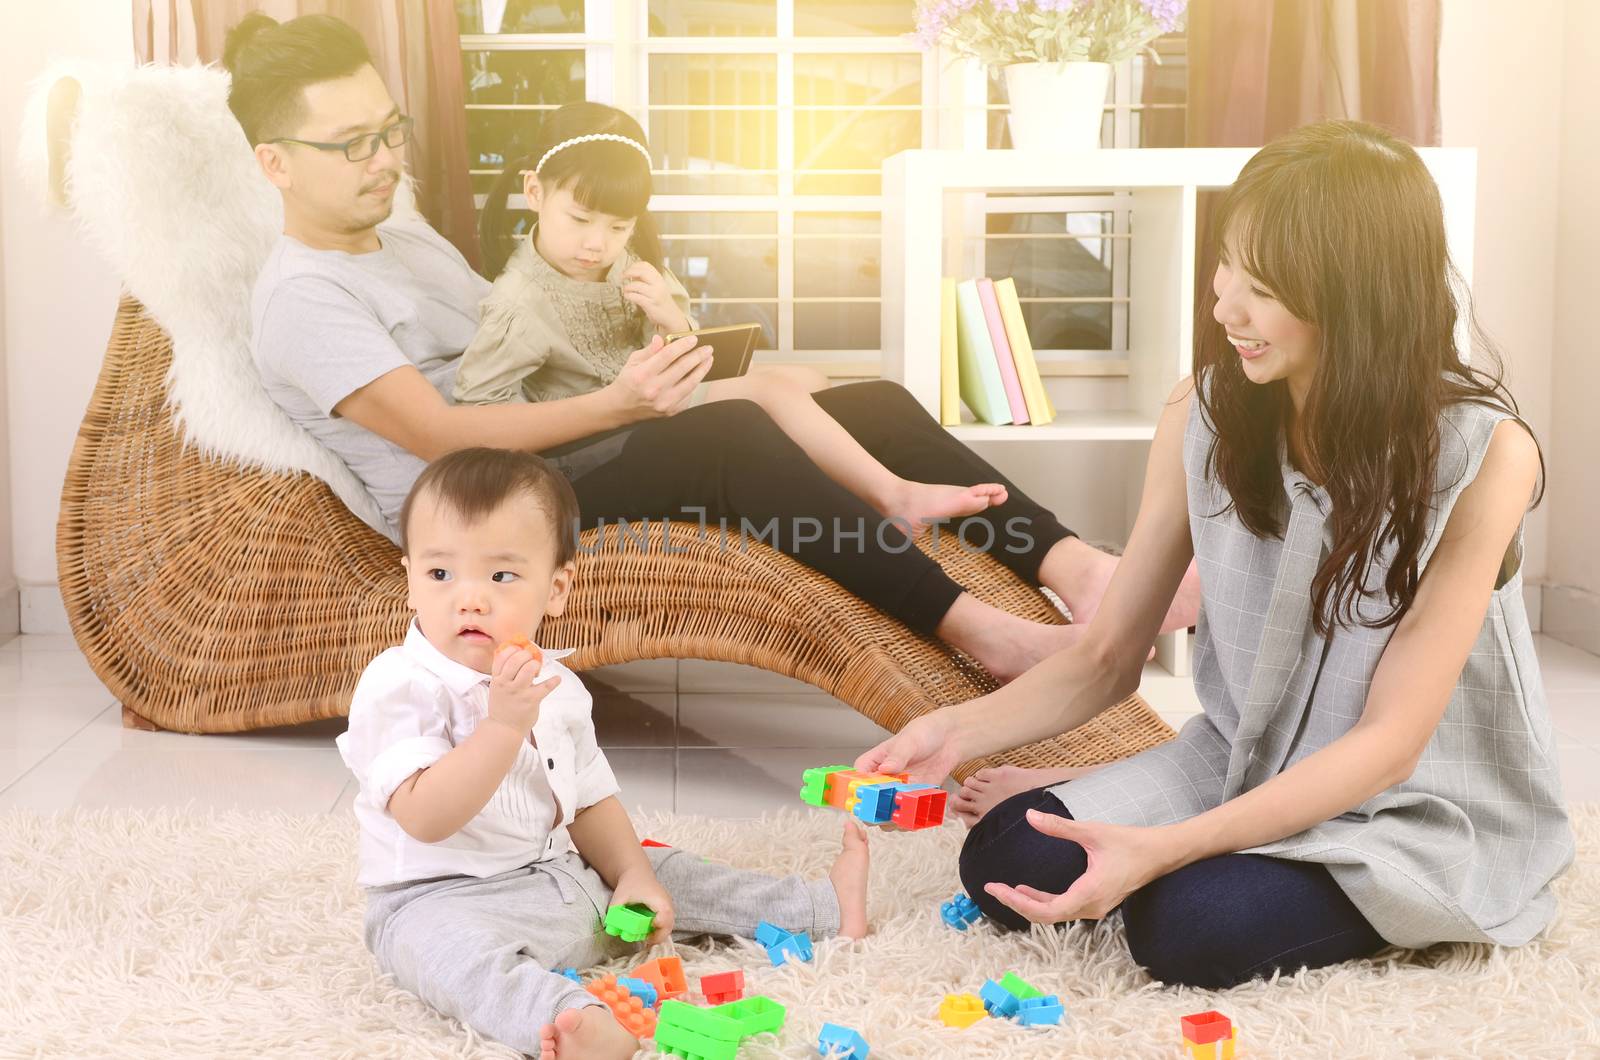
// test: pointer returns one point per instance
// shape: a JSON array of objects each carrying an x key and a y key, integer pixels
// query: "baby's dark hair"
[
  {"x": 474, "y": 482},
  {"x": 602, "y": 175},
  {"x": 273, "y": 62}
]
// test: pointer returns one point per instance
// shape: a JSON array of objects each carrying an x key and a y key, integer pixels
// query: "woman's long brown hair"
[{"x": 1343, "y": 223}]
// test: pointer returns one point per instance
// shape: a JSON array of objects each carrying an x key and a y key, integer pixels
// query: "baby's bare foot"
[
  {"x": 589, "y": 1033},
  {"x": 989, "y": 787},
  {"x": 849, "y": 878},
  {"x": 920, "y": 503}
]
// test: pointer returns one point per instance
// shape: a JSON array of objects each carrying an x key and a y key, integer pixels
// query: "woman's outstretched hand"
[
  {"x": 1122, "y": 859},
  {"x": 926, "y": 749}
]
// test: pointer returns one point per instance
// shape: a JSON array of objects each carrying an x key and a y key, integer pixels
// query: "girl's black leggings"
[{"x": 728, "y": 463}]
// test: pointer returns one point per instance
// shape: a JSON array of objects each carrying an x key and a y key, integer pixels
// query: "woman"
[{"x": 1374, "y": 763}]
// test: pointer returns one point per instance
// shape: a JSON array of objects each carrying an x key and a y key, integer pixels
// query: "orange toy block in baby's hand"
[{"x": 520, "y": 641}]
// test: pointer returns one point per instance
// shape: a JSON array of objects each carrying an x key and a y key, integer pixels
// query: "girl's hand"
[
  {"x": 926, "y": 749},
  {"x": 641, "y": 885},
  {"x": 644, "y": 287},
  {"x": 1122, "y": 859}
]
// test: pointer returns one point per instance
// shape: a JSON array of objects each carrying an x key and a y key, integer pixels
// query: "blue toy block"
[
  {"x": 797, "y": 947},
  {"x": 959, "y": 912},
  {"x": 640, "y": 989},
  {"x": 998, "y": 1001},
  {"x": 875, "y": 802},
  {"x": 842, "y": 1043},
  {"x": 769, "y": 935},
  {"x": 572, "y": 973},
  {"x": 1039, "y": 1011}
]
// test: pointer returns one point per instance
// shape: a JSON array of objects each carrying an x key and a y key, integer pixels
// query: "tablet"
[{"x": 731, "y": 348}]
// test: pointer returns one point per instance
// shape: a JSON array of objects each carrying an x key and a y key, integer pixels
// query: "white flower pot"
[{"x": 1056, "y": 106}]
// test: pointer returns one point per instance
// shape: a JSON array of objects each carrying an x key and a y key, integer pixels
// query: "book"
[
  {"x": 1002, "y": 352},
  {"x": 981, "y": 387},
  {"x": 1040, "y": 410},
  {"x": 949, "y": 363}
]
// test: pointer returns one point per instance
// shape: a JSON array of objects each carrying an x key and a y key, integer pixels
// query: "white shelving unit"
[{"x": 929, "y": 198}]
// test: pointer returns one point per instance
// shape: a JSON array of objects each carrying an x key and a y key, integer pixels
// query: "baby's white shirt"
[{"x": 411, "y": 707}]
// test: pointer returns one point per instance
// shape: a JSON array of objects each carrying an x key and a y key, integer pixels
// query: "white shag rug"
[{"x": 137, "y": 934}]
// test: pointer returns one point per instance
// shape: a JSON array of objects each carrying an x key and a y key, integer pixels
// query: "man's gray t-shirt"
[{"x": 327, "y": 323}]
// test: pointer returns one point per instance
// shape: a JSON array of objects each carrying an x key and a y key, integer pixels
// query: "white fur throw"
[{"x": 162, "y": 181}]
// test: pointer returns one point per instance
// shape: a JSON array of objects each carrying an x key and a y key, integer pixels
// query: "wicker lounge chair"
[{"x": 212, "y": 597}]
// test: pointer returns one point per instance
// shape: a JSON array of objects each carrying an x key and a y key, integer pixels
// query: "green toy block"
[
  {"x": 708, "y": 1023},
  {"x": 680, "y": 1041},
  {"x": 814, "y": 787},
  {"x": 1018, "y": 988},
  {"x": 755, "y": 1014},
  {"x": 631, "y": 923}
]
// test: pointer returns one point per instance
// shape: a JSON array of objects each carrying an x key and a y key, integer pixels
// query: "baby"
[{"x": 492, "y": 838}]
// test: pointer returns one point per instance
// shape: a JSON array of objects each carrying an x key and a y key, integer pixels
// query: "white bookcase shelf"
[
  {"x": 927, "y": 199},
  {"x": 932, "y": 213}
]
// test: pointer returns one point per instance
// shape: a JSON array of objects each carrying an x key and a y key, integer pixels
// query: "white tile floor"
[{"x": 696, "y": 737}]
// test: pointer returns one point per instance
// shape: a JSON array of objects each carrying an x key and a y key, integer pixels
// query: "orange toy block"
[
  {"x": 666, "y": 975},
  {"x": 629, "y": 1010},
  {"x": 841, "y": 793},
  {"x": 520, "y": 641},
  {"x": 961, "y": 1010}
]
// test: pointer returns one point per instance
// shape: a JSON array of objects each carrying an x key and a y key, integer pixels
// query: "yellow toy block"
[
  {"x": 962, "y": 1010},
  {"x": 1221, "y": 1049}
]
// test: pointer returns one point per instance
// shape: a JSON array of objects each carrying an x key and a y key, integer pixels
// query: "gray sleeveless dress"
[{"x": 1464, "y": 850}]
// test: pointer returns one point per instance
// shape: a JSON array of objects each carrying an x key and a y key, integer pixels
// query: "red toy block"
[
  {"x": 629, "y": 1010},
  {"x": 919, "y": 809},
  {"x": 665, "y": 974},
  {"x": 722, "y": 987},
  {"x": 1203, "y": 1028},
  {"x": 653, "y": 843}
]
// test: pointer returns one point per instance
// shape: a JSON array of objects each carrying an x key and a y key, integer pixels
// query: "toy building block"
[
  {"x": 640, "y": 989},
  {"x": 1039, "y": 1011},
  {"x": 629, "y": 1010},
  {"x": 755, "y": 1014},
  {"x": 998, "y": 1001},
  {"x": 814, "y": 784},
  {"x": 875, "y": 802},
  {"x": 842, "y": 1043},
  {"x": 665, "y": 974},
  {"x": 703, "y": 1021},
  {"x": 959, "y": 912},
  {"x": 680, "y": 1041},
  {"x": 1018, "y": 987},
  {"x": 653, "y": 843},
  {"x": 722, "y": 987},
  {"x": 961, "y": 1010},
  {"x": 1209, "y": 1036},
  {"x": 631, "y": 923},
  {"x": 919, "y": 806},
  {"x": 769, "y": 935},
  {"x": 571, "y": 973},
  {"x": 791, "y": 947}
]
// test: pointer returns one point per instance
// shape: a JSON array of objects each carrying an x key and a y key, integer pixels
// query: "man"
[{"x": 360, "y": 319}]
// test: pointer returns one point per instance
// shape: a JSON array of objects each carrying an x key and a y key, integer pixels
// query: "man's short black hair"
[{"x": 273, "y": 62}]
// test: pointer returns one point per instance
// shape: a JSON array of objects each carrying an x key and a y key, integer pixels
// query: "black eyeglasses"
[{"x": 363, "y": 147}]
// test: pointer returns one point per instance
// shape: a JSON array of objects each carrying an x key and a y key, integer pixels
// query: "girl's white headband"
[{"x": 613, "y": 137}]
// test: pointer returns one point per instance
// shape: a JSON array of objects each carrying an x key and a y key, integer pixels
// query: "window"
[{"x": 768, "y": 121}]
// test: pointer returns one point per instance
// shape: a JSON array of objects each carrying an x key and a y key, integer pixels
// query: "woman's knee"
[{"x": 1004, "y": 848}]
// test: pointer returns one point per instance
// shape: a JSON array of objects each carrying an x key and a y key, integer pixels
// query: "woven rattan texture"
[{"x": 213, "y": 597}]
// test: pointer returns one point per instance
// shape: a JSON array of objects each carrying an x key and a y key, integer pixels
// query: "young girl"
[
  {"x": 579, "y": 312},
  {"x": 1374, "y": 764},
  {"x": 588, "y": 287}
]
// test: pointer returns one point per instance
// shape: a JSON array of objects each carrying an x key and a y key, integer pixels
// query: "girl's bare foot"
[
  {"x": 849, "y": 879},
  {"x": 989, "y": 787},
  {"x": 920, "y": 503},
  {"x": 1079, "y": 573},
  {"x": 589, "y": 1033},
  {"x": 1006, "y": 645}
]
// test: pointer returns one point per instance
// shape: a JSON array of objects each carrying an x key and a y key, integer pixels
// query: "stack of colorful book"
[{"x": 985, "y": 357}]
